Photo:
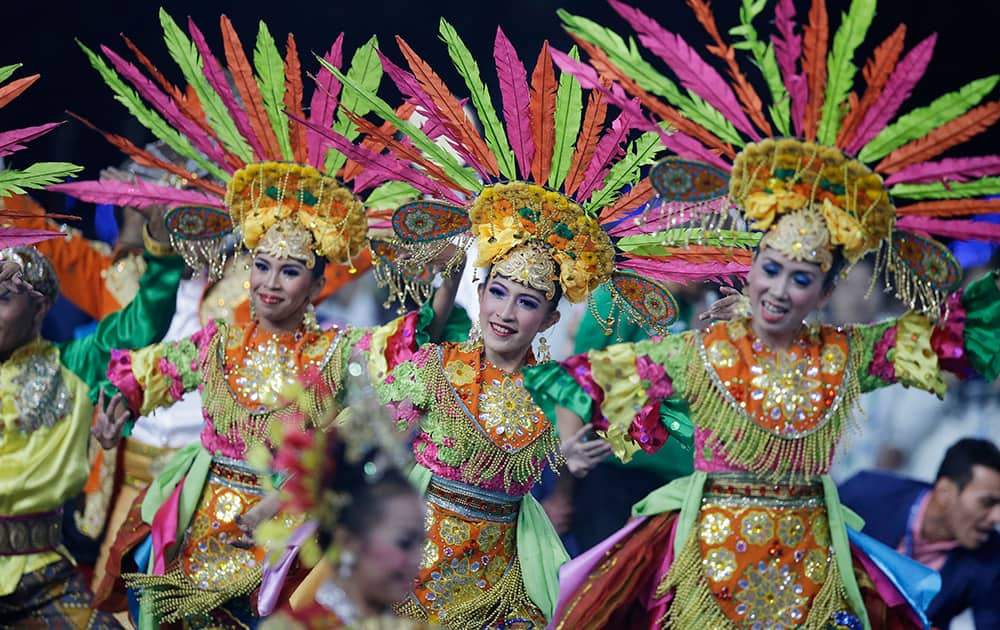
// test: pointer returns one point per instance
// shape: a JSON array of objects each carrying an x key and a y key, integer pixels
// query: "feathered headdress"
[
  {"x": 37, "y": 175},
  {"x": 237, "y": 121},
  {"x": 544, "y": 185},
  {"x": 850, "y": 174}
]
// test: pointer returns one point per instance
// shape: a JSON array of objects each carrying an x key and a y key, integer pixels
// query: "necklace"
[{"x": 330, "y": 596}]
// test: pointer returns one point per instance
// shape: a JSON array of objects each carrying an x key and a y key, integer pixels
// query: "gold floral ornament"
[
  {"x": 301, "y": 202},
  {"x": 774, "y": 179},
  {"x": 507, "y": 215}
]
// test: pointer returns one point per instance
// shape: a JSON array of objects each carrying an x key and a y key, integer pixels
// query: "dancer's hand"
[
  {"x": 732, "y": 305},
  {"x": 12, "y": 280},
  {"x": 583, "y": 453},
  {"x": 110, "y": 420},
  {"x": 264, "y": 510}
]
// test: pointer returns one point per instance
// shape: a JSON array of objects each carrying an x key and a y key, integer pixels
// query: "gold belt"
[
  {"x": 30, "y": 533},
  {"x": 142, "y": 462},
  {"x": 745, "y": 489},
  {"x": 236, "y": 474},
  {"x": 473, "y": 502}
]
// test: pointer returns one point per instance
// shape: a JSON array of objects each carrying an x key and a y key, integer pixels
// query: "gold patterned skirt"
[
  {"x": 761, "y": 556},
  {"x": 470, "y": 577},
  {"x": 210, "y": 571}
]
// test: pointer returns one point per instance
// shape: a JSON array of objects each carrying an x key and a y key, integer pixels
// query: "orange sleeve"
[
  {"x": 79, "y": 264},
  {"x": 339, "y": 275}
]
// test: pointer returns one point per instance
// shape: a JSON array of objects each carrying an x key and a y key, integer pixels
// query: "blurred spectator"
[{"x": 950, "y": 526}]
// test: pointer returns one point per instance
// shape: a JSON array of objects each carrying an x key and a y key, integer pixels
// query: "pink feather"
[
  {"x": 608, "y": 148},
  {"x": 216, "y": 76},
  {"x": 897, "y": 89},
  {"x": 682, "y": 271},
  {"x": 137, "y": 195},
  {"x": 323, "y": 104},
  {"x": 10, "y": 141},
  {"x": 410, "y": 88},
  {"x": 962, "y": 230},
  {"x": 168, "y": 108},
  {"x": 395, "y": 169},
  {"x": 950, "y": 169},
  {"x": 787, "y": 51},
  {"x": 16, "y": 237},
  {"x": 668, "y": 215},
  {"x": 694, "y": 72},
  {"x": 516, "y": 98},
  {"x": 678, "y": 142}
]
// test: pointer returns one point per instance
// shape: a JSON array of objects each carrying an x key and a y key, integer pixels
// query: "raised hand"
[
  {"x": 12, "y": 280},
  {"x": 582, "y": 453},
  {"x": 110, "y": 420},
  {"x": 732, "y": 305}
]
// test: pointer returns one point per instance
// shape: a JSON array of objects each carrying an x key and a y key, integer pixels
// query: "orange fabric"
[
  {"x": 79, "y": 265},
  {"x": 785, "y": 392}
]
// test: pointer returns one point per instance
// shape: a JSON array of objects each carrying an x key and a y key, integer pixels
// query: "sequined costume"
[
  {"x": 757, "y": 534},
  {"x": 48, "y": 394},
  {"x": 480, "y": 445}
]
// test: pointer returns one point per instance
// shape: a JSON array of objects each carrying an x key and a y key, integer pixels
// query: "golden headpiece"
[{"x": 294, "y": 211}]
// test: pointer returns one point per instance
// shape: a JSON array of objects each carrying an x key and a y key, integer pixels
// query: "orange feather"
[
  {"x": 246, "y": 85},
  {"x": 640, "y": 194},
  {"x": 815, "y": 40},
  {"x": 748, "y": 96},
  {"x": 293, "y": 100},
  {"x": 449, "y": 108},
  {"x": 167, "y": 86},
  {"x": 405, "y": 151},
  {"x": 665, "y": 112},
  {"x": 955, "y": 132},
  {"x": 352, "y": 169},
  {"x": 876, "y": 73},
  {"x": 145, "y": 158},
  {"x": 543, "y": 113},
  {"x": 586, "y": 142},
  {"x": 14, "y": 89},
  {"x": 951, "y": 207}
]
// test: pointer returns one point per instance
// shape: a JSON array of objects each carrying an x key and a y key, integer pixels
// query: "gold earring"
[
  {"x": 543, "y": 350},
  {"x": 309, "y": 321}
]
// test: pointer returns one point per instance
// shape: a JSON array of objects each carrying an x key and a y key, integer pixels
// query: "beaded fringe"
[
  {"x": 489, "y": 609},
  {"x": 481, "y": 459},
  {"x": 753, "y": 448},
  {"x": 694, "y": 604},
  {"x": 174, "y": 596}
]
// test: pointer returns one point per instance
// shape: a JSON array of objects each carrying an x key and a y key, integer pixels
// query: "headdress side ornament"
[{"x": 818, "y": 148}]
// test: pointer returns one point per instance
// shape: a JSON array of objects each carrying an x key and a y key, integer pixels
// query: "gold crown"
[
  {"x": 531, "y": 266},
  {"x": 312, "y": 213}
]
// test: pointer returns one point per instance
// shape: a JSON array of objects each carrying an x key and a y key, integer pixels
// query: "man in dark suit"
[{"x": 950, "y": 526}]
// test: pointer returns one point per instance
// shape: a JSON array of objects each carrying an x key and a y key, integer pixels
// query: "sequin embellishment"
[{"x": 40, "y": 396}]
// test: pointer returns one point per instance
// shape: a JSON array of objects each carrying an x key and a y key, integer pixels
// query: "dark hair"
[
  {"x": 836, "y": 267},
  {"x": 369, "y": 483},
  {"x": 963, "y": 455},
  {"x": 319, "y": 268}
]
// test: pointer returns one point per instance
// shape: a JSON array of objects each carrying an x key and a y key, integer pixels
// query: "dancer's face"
[
  {"x": 510, "y": 315},
  {"x": 782, "y": 293},
  {"x": 389, "y": 554},
  {"x": 281, "y": 289}
]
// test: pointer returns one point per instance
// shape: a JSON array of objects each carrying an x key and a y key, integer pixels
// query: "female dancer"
[
  {"x": 756, "y": 537},
  {"x": 491, "y": 557}
]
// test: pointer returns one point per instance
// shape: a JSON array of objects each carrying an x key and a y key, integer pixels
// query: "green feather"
[
  {"x": 149, "y": 118},
  {"x": 952, "y": 190},
  {"x": 38, "y": 175},
  {"x": 493, "y": 130},
  {"x": 464, "y": 177},
  {"x": 922, "y": 121},
  {"x": 641, "y": 152},
  {"x": 6, "y": 71},
  {"x": 568, "y": 116},
  {"x": 391, "y": 195},
  {"x": 185, "y": 54},
  {"x": 366, "y": 71},
  {"x": 765, "y": 60},
  {"x": 662, "y": 243},
  {"x": 270, "y": 69},
  {"x": 840, "y": 66},
  {"x": 628, "y": 59}
]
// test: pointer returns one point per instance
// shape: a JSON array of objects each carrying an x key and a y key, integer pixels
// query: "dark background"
[{"x": 41, "y": 36}]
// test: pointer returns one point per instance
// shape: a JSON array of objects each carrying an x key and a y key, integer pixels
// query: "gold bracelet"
[{"x": 155, "y": 247}]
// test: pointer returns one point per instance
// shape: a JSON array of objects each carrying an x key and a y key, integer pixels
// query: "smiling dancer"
[
  {"x": 756, "y": 537},
  {"x": 543, "y": 219}
]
